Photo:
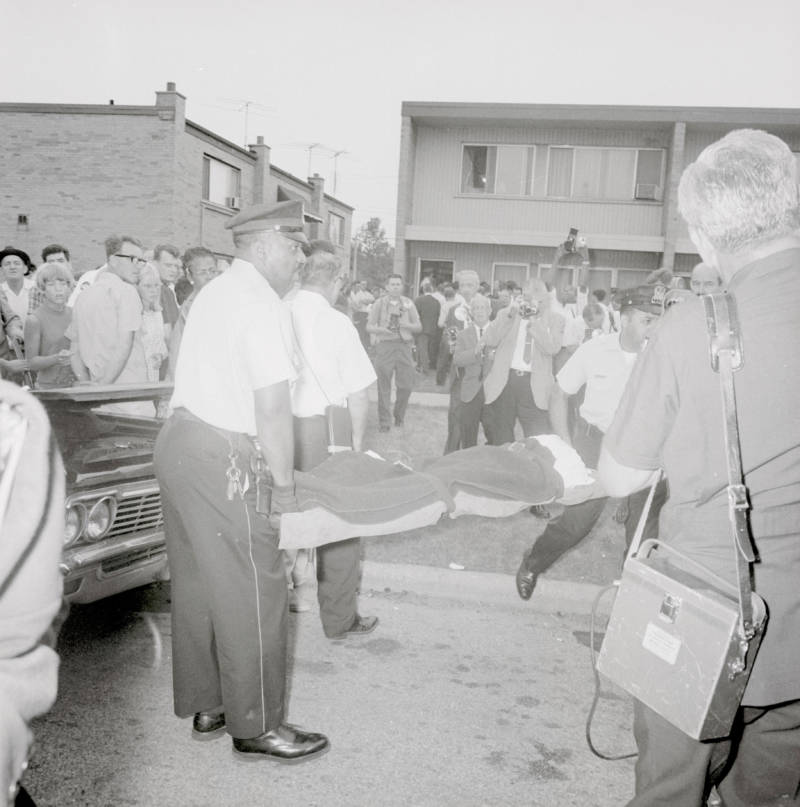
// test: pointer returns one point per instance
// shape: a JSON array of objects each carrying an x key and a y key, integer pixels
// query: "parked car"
[{"x": 114, "y": 534}]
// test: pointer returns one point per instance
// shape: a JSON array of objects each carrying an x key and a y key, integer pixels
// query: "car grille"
[{"x": 137, "y": 513}]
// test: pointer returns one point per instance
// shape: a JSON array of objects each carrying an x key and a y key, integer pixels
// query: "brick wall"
[{"x": 81, "y": 177}]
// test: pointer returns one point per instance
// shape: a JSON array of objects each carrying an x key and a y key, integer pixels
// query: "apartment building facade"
[
  {"x": 74, "y": 174},
  {"x": 496, "y": 187}
]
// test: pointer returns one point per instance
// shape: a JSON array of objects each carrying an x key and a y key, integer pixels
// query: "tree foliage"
[{"x": 373, "y": 254}]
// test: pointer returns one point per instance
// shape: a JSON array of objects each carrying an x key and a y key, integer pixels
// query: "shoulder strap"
[
  {"x": 306, "y": 362},
  {"x": 727, "y": 357}
]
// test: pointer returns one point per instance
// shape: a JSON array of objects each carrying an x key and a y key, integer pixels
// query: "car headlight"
[
  {"x": 100, "y": 518},
  {"x": 74, "y": 523}
]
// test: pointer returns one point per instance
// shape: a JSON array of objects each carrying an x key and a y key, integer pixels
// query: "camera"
[
  {"x": 570, "y": 245},
  {"x": 452, "y": 335},
  {"x": 528, "y": 310},
  {"x": 394, "y": 323}
]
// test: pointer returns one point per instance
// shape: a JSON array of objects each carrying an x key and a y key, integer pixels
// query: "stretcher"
[{"x": 363, "y": 495}]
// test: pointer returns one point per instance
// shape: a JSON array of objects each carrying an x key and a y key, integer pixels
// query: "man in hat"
[
  {"x": 740, "y": 200},
  {"x": 603, "y": 365},
  {"x": 16, "y": 286},
  {"x": 232, "y": 418}
]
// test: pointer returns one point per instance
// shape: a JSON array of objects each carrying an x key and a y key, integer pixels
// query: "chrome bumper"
[{"x": 78, "y": 560}]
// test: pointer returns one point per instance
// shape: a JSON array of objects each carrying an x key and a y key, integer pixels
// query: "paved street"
[{"x": 464, "y": 695}]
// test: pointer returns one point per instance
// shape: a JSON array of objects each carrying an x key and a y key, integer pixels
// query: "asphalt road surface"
[{"x": 463, "y": 696}]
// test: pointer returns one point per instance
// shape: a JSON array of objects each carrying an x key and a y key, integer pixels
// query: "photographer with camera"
[
  {"x": 741, "y": 203},
  {"x": 523, "y": 338},
  {"x": 393, "y": 320}
]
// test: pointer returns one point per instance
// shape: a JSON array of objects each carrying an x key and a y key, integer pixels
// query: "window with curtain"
[
  {"x": 221, "y": 182},
  {"x": 602, "y": 173}
]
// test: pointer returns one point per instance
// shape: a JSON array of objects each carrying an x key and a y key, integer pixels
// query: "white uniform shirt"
[
  {"x": 237, "y": 339},
  {"x": 604, "y": 367},
  {"x": 333, "y": 361}
]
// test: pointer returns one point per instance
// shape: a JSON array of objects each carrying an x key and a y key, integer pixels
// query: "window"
[
  {"x": 336, "y": 228},
  {"x": 605, "y": 173},
  {"x": 500, "y": 170},
  {"x": 222, "y": 183}
]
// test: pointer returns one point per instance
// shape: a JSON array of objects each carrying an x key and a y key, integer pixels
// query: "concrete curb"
[{"x": 486, "y": 587}]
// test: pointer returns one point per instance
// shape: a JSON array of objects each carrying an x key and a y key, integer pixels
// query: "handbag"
[{"x": 681, "y": 639}]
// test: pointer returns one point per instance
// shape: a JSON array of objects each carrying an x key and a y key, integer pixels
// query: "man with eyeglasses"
[
  {"x": 232, "y": 416},
  {"x": 104, "y": 332}
]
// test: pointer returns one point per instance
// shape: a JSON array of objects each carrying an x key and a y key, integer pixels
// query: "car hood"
[{"x": 99, "y": 444}]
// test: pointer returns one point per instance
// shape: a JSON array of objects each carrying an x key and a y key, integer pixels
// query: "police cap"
[
  {"x": 285, "y": 218},
  {"x": 644, "y": 298}
]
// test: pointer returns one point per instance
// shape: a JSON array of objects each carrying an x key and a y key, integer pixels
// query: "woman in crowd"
[
  {"x": 46, "y": 348},
  {"x": 154, "y": 331}
]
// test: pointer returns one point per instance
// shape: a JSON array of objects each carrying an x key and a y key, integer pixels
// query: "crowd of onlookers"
[{"x": 119, "y": 323}]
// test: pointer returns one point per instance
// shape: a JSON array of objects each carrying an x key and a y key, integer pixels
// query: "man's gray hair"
[
  {"x": 741, "y": 191},
  {"x": 319, "y": 269},
  {"x": 470, "y": 274}
]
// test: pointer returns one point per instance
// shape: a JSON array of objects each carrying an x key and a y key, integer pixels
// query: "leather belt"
[
  {"x": 240, "y": 440},
  {"x": 520, "y": 372}
]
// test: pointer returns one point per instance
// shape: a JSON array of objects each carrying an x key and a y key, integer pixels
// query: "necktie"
[{"x": 528, "y": 350}]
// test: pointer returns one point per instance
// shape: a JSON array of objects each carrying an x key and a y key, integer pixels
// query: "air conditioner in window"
[
  {"x": 647, "y": 190},
  {"x": 233, "y": 201}
]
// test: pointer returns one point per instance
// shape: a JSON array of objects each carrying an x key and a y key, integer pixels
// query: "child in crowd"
[{"x": 47, "y": 349}]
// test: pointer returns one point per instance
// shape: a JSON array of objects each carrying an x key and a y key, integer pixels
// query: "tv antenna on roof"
[{"x": 244, "y": 106}]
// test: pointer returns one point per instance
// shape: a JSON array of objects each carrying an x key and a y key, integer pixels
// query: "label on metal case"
[{"x": 661, "y": 643}]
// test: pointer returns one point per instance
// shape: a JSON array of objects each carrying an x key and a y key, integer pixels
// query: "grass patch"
[{"x": 479, "y": 544}]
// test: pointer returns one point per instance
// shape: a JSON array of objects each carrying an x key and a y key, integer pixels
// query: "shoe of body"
[
  {"x": 398, "y": 421},
  {"x": 526, "y": 579},
  {"x": 286, "y": 744},
  {"x": 361, "y": 626},
  {"x": 384, "y": 428},
  {"x": 208, "y": 725}
]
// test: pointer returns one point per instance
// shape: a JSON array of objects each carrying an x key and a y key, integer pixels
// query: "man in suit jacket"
[
  {"x": 428, "y": 309},
  {"x": 471, "y": 363},
  {"x": 524, "y": 338}
]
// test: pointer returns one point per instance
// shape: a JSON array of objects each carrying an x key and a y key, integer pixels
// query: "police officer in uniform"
[{"x": 229, "y": 596}]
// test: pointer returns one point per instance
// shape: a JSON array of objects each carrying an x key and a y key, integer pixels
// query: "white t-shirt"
[
  {"x": 237, "y": 339},
  {"x": 19, "y": 302},
  {"x": 604, "y": 367},
  {"x": 333, "y": 361}
]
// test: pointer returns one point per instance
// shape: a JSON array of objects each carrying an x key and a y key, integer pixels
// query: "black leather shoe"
[
  {"x": 208, "y": 725},
  {"x": 526, "y": 579},
  {"x": 384, "y": 428},
  {"x": 361, "y": 626},
  {"x": 286, "y": 744}
]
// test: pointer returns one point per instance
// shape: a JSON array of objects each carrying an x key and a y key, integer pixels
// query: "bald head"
[{"x": 705, "y": 279}]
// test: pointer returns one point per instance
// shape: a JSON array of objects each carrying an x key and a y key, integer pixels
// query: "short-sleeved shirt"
[
  {"x": 383, "y": 309},
  {"x": 334, "y": 363},
  {"x": 670, "y": 416},
  {"x": 605, "y": 368},
  {"x": 104, "y": 313},
  {"x": 19, "y": 302},
  {"x": 237, "y": 340}
]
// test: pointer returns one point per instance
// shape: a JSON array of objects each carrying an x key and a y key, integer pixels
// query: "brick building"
[
  {"x": 496, "y": 187},
  {"x": 74, "y": 174}
]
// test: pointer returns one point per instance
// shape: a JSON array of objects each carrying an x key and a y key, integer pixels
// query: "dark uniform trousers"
[
  {"x": 674, "y": 769},
  {"x": 338, "y": 564},
  {"x": 229, "y": 595},
  {"x": 394, "y": 357},
  {"x": 576, "y": 522},
  {"x": 516, "y": 401}
]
